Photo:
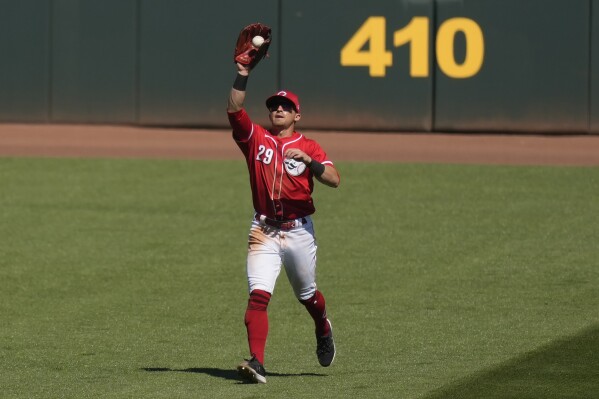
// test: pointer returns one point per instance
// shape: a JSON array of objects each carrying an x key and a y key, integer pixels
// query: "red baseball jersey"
[{"x": 281, "y": 187}]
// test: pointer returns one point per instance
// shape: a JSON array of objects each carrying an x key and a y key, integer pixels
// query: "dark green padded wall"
[
  {"x": 347, "y": 97},
  {"x": 535, "y": 73},
  {"x": 186, "y": 60},
  {"x": 24, "y": 60},
  {"x": 165, "y": 62},
  {"x": 594, "y": 100},
  {"x": 94, "y": 61}
]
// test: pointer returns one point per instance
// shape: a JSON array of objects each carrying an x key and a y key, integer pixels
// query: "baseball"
[{"x": 257, "y": 41}]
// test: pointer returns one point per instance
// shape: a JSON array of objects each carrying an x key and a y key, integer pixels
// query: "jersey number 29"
[{"x": 267, "y": 155}]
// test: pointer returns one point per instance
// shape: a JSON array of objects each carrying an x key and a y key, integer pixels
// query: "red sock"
[
  {"x": 256, "y": 322},
  {"x": 316, "y": 306}
]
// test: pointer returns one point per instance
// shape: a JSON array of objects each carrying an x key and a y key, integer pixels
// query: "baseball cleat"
[
  {"x": 252, "y": 371},
  {"x": 325, "y": 348}
]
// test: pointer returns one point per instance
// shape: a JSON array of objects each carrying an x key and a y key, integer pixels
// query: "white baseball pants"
[{"x": 269, "y": 248}]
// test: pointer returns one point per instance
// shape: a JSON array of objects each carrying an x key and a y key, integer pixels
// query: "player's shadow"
[{"x": 227, "y": 374}]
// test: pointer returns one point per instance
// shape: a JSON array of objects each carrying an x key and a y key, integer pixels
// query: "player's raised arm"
[{"x": 237, "y": 96}]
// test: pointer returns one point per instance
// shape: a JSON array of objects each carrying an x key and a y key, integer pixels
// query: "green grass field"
[{"x": 126, "y": 279}]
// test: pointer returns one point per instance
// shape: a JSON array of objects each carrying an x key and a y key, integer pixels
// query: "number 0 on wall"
[{"x": 416, "y": 33}]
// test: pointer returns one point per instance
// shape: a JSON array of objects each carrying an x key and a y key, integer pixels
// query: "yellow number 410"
[{"x": 377, "y": 58}]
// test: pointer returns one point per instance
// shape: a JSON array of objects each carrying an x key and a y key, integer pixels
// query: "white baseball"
[{"x": 257, "y": 41}]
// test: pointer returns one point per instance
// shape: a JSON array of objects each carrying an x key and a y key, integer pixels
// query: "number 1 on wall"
[{"x": 415, "y": 33}]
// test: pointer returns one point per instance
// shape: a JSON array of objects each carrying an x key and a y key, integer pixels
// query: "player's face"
[{"x": 283, "y": 114}]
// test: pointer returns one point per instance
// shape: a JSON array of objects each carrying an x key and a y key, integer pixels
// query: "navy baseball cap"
[{"x": 287, "y": 95}]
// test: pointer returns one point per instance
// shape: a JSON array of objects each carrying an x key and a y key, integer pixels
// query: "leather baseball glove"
[{"x": 246, "y": 53}]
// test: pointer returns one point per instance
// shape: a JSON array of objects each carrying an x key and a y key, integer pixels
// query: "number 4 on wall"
[{"x": 377, "y": 58}]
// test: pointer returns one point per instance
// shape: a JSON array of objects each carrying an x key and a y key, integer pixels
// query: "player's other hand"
[{"x": 298, "y": 155}]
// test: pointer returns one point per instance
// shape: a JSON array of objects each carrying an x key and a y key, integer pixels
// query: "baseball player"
[{"x": 282, "y": 164}]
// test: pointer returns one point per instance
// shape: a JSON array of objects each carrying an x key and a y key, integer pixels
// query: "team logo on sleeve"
[{"x": 293, "y": 167}]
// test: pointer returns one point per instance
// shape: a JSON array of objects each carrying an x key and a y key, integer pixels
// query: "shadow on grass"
[
  {"x": 566, "y": 368},
  {"x": 227, "y": 374}
]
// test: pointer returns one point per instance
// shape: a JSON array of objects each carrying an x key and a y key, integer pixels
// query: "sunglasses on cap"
[{"x": 285, "y": 105}]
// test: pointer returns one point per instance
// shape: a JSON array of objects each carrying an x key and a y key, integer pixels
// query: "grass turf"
[{"x": 125, "y": 278}]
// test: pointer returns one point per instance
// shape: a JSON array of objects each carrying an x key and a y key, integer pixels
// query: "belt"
[{"x": 280, "y": 224}]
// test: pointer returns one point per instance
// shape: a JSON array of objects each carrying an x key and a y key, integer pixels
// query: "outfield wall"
[{"x": 403, "y": 65}]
